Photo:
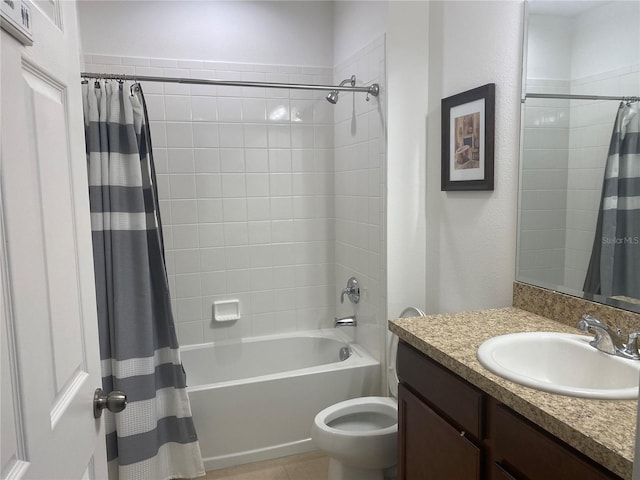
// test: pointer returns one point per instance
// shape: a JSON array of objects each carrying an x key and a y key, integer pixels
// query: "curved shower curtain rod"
[{"x": 373, "y": 89}]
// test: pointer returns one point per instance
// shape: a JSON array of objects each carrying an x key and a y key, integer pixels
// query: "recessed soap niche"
[{"x": 226, "y": 310}]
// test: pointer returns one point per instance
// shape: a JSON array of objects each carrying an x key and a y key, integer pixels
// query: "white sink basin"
[{"x": 561, "y": 363}]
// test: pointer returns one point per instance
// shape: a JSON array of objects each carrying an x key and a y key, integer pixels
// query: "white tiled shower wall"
[
  {"x": 360, "y": 166},
  {"x": 246, "y": 182}
]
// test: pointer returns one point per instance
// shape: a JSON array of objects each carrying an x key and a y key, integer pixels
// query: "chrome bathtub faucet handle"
[
  {"x": 344, "y": 290},
  {"x": 352, "y": 291}
]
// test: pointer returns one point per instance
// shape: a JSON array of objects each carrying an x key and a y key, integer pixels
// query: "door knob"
[{"x": 115, "y": 402}]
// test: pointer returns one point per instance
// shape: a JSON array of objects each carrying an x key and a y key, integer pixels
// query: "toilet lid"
[{"x": 392, "y": 351}]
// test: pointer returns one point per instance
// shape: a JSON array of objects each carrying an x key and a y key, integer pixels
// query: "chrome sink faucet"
[{"x": 608, "y": 340}]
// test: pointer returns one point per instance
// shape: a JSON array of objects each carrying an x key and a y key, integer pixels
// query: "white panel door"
[{"x": 50, "y": 358}]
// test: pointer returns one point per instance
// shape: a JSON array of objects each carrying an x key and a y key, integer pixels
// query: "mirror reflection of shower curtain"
[
  {"x": 614, "y": 268},
  {"x": 154, "y": 437}
]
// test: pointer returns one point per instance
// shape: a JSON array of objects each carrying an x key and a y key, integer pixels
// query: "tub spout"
[{"x": 349, "y": 321}]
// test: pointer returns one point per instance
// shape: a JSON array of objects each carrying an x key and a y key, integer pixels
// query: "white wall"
[
  {"x": 265, "y": 32},
  {"x": 549, "y": 47},
  {"x": 606, "y": 39},
  {"x": 407, "y": 80},
  {"x": 471, "y": 236},
  {"x": 355, "y": 25}
]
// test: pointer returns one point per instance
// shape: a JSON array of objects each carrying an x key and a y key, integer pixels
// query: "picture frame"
[{"x": 468, "y": 131}]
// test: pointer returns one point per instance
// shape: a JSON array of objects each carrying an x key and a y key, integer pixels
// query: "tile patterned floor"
[{"x": 306, "y": 466}]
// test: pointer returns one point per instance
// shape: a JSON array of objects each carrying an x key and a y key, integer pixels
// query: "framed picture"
[{"x": 468, "y": 128}]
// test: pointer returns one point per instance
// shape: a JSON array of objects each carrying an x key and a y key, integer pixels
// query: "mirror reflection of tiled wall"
[{"x": 565, "y": 142}]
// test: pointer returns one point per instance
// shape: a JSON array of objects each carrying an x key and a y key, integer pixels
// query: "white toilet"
[{"x": 360, "y": 435}]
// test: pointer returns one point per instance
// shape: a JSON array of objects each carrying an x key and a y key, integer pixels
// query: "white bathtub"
[{"x": 256, "y": 398}]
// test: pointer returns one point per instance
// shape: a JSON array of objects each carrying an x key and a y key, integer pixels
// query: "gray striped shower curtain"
[
  {"x": 615, "y": 259},
  {"x": 154, "y": 437}
]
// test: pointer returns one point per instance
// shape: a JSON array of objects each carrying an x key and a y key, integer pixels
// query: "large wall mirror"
[{"x": 581, "y": 58}]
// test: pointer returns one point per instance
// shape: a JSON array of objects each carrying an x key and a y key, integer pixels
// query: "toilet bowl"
[{"x": 360, "y": 435}]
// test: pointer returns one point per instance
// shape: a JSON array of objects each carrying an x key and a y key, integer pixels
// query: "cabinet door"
[
  {"x": 534, "y": 454},
  {"x": 430, "y": 448},
  {"x": 455, "y": 398}
]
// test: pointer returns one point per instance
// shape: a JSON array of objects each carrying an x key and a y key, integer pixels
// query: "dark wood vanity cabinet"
[
  {"x": 440, "y": 421},
  {"x": 450, "y": 430},
  {"x": 443, "y": 453},
  {"x": 524, "y": 451}
]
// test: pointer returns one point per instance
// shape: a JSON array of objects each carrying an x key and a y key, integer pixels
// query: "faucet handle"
[
  {"x": 603, "y": 339},
  {"x": 631, "y": 347},
  {"x": 352, "y": 290},
  {"x": 344, "y": 290},
  {"x": 584, "y": 325},
  {"x": 587, "y": 321},
  {"x": 607, "y": 339}
]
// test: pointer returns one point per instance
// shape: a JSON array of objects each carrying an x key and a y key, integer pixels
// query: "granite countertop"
[{"x": 604, "y": 430}]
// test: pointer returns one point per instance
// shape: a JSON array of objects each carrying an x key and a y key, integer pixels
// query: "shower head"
[
  {"x": 333, "y": 94},
  {"x": 332, "y": 97}
]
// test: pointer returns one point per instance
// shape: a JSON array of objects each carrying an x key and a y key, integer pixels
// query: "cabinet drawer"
[
  {"x": 535, "y": 454},
  {"x": 430, "y": 448},
  {"x": 444, "y": 390}
]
